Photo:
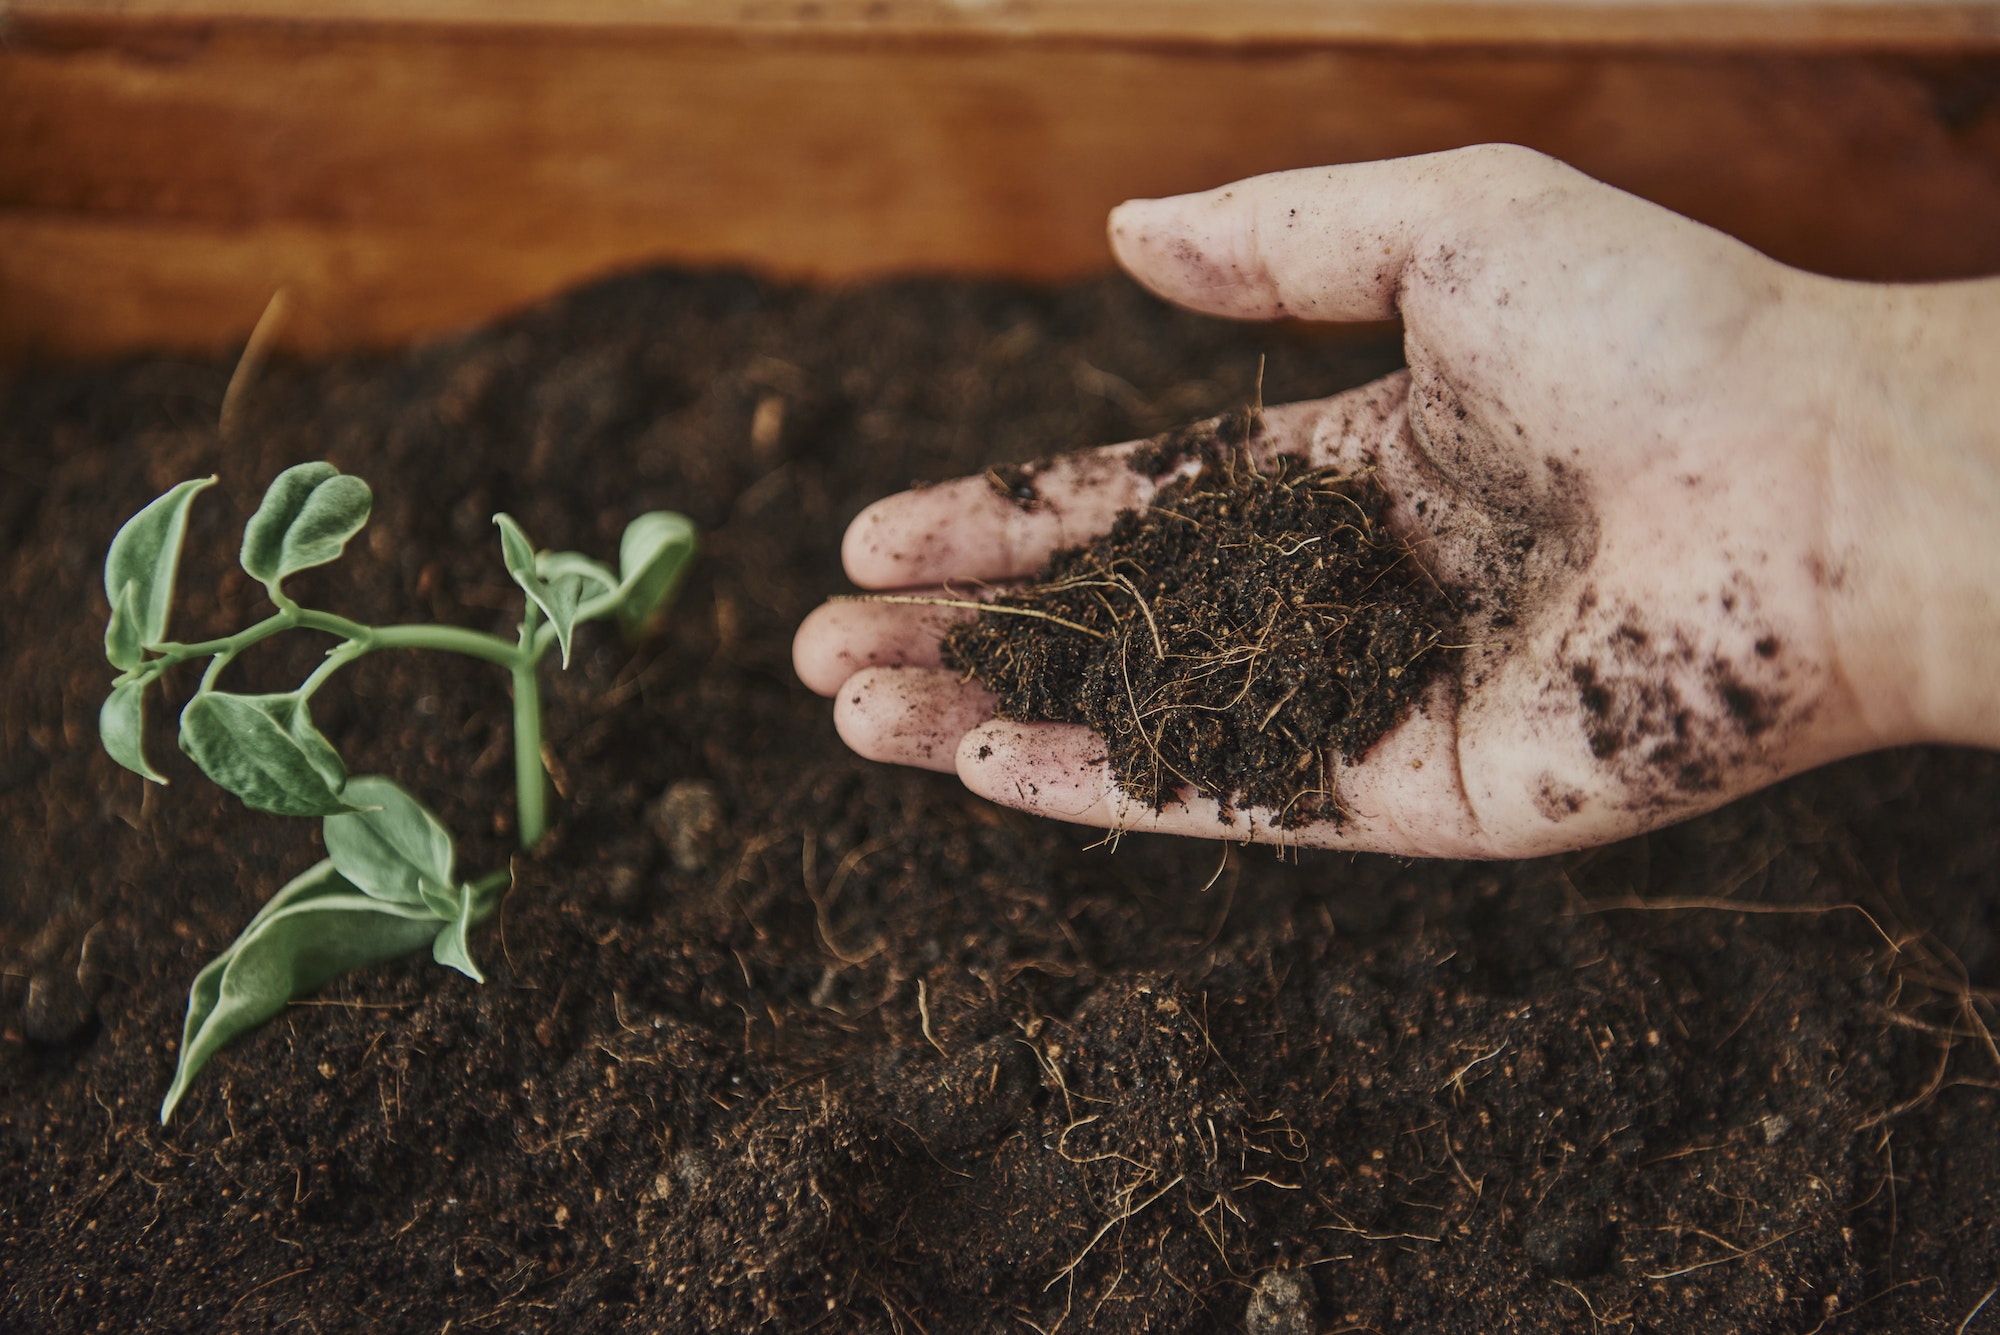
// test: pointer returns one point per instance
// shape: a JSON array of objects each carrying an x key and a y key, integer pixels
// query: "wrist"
[{"x": 1911, "y": 566}]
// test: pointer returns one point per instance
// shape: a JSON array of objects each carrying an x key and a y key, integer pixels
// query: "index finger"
[
  {"x": 1001, "y": 525},
  {"x": 1006, "y": 523}
]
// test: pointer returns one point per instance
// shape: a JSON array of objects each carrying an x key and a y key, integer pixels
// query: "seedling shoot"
[{"x": 389, "y": 883}]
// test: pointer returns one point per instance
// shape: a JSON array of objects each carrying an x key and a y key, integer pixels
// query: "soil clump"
[
  {"x": 1234, "y": 638},
  {"x": 774, "y": 1038}
]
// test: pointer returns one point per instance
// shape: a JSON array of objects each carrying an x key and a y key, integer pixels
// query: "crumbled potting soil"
[
  {"x": 774, "y": 1038},
  {"x": 1234, "y": 638}
]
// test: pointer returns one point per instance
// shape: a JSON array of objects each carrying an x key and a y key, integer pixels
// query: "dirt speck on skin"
[
  {"x": 1015, "y": 484},
  {"x": 775, "y": 1038},
  {"x": 1557, "y": 800},
  {"x": 1669, "y": 719},
  {"x": 1205, "y": 443},
  {"x": 1230, "y": 639}
]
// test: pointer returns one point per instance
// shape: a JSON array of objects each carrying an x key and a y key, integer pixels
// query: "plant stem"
[
  {"x": 530, "y": 783},
  {"x": 451, "y": 639},
  {"x": 521, "y": 659},
  {"x": 335, "y": 661},
  {"x": 531, "y": 797},
  {"x": 486, "y": 885},
  {"x": 173, "y": 652}
]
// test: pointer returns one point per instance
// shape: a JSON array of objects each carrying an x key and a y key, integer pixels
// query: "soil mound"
[
  {"x": 1235, "y": 637},
  {"x": 777, "y": 1039}
]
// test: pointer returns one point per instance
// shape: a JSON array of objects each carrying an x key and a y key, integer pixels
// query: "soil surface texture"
[
  {"x": 775, "y": 1038},
  {"x": 1233, "y": 638}
]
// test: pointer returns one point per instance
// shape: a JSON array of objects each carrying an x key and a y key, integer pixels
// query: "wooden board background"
[
  {"x": 164, "y": 169},
  {"x": 1735, "y": 24}
]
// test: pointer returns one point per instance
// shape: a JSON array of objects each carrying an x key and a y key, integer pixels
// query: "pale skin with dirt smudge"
[{"x": 1713, "y": 520}]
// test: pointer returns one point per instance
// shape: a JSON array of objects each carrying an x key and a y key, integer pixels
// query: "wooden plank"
[
  {"x": 158, "y": 183},
  {"x": 1873, "y": 24}
]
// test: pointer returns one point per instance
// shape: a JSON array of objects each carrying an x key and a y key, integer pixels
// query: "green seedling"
[{"x": 389, "y": 883}]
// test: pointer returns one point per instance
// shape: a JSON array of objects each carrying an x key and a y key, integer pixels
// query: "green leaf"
[
  {"x": 264, "y": 749},
  {"x": 596, "y": 576},
  {"x": 392, "y": 847},
  {"x": 313, "y": 930},
  {"x": 443, "y": 900},
  {"x": 449, "y": 946},
  {"x": 121, "y": 634},
  {"x": 121, "y": 723},
  {"x": 575, "y": 579},
  {"x": 307, "y": 515},
  {"x": 517, "y": 552},
  {"x": 145, "y": 554},
  {"x": 653, "y": 556},
  {"x": 477, "y": 901},
  {"x": 559, "y": 598}
]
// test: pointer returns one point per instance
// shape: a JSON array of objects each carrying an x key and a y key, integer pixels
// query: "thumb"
[{"x": 1324, "y": 243}]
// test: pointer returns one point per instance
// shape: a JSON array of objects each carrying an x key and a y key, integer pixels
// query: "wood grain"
[
  {"x": 1874, "y": 24},
  {"x": 159, "y": 181}
]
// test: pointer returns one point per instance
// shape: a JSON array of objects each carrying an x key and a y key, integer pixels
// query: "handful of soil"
[{"x": 1230, "y": 638}]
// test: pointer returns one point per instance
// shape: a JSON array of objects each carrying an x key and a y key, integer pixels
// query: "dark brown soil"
[
  {"x": 1231, "y": 639},
  {"x": 773, "y": 1035}
]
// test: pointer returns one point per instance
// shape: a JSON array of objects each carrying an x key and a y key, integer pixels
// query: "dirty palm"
[{"x": 390, "y": 882}]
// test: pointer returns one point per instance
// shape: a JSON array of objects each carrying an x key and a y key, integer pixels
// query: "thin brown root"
[
  {"x": 823, "y": 902},
  {"x": 1736, "y": 1255},
  {"x": 1109, "y": 1224},
  {"x": 1159, "y": 645},
  {"x": 1977, "y": 1308},
  {"x": 1734, "y": 906},
  {"x": 924, "y": 1017},
  {"x": 1220, "y": 868},
  {"x": 1966, "y": 1004},
  {"x": 1272, "y": 713},
  {"x": 1923, "y": 1097},
  {"x": 255, "y": 351},
  {"x": 1132, "y": 702}
]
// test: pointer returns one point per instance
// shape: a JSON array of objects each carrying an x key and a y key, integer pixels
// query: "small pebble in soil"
[
  {"x": 621, "y": 887},
  {"x": 688, "y": 820},
  {"x": 1281, "y": 1304},
  {"x": 59, "y": 1010}
]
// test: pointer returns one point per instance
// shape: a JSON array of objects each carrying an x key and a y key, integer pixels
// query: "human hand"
[{"x": 1665, "y": 467}]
